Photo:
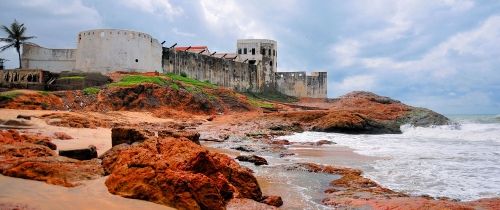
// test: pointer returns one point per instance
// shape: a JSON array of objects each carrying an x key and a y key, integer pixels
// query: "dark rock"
[
  {"x": 126, "y": 135},
  {"x": 272, "y": 200},
  {"x": 26, "y": 117},
  {"x": 252, "y": 159},
  {"x": 243, "y": 149},
  {"x": 80, "y": 154},
  {"x": 211, "y": 118},
  {"x": 424, "y": 117}
]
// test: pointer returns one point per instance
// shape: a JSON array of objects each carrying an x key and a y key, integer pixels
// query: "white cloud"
[
  {"x": 158, "y": 7},
  {"x": 228, "y": 17},
  {"x": 352, "y": 83},
  {"x": 182, "y": 33},
  {"x": 345, "y": 52}
]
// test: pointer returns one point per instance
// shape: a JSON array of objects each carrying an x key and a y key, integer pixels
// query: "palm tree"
[{"x": 15, "y": 38}]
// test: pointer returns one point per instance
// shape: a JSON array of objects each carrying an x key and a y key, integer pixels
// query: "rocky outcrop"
[
  {"x": 177, "y": 173},
  {"x": 365, "y": 113}
]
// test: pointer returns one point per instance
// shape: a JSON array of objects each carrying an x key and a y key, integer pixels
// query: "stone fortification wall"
[
  {"x": 299, "y": 84},
  {"x": 317, "y": 85},
  {"x": 56, "y": 60},
  {"x": 105, "y": 50},
  {"x": 291, "y": 83},
  {"x": 237, "y": 75}
]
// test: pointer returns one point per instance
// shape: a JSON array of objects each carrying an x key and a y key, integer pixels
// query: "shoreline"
[{"x": 274, "y": 179}]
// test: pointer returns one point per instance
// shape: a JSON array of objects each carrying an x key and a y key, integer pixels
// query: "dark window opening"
[
  {"x": 263, "y": 51},
  {"x": 136, "y": 60},
  {"x": 239, "y": 51},
  {"x": 253, "y": 51},
  {"x": 274, "y": 52},
  {"x": 271, "y": 63},
  {"x": 245, "y": 51},
  {"x": 251, "y": 62},
  {"x": 269, "y": 52}
]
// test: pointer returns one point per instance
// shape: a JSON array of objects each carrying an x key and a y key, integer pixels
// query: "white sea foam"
[{"x": 459, "y": 162}]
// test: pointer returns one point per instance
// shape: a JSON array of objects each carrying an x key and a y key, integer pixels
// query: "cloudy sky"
[{"x": 440, "y": 54}]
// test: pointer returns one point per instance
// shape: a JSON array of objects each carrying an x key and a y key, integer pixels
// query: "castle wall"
[
  {"x": 317, "y": 85},
  {"x": 227, "y": 73},
  {"x": 299, "y": 84},
  {"x": 56, "y": 60},
  {"x": 105, "y": 50},
  {"x": 263, "y": 53},
  {"x": 291, "y": 83}
]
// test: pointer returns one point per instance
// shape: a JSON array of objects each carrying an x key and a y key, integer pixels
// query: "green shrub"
[
  {"x": 174, "y": 86},
  {"x": 183, "y": 74},
  {"x": 138, "y": 79},
  {"x": 91, "y": 91}
]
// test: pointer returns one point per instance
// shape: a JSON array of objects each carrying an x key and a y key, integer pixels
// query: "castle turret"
[{"x": 263, "y": 53}]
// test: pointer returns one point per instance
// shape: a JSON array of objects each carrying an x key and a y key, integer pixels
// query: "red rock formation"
[
  {"x": 52, "y": 169},
  {"x": 75, "y": 120},
  {"x": 177, "y": 173},
  {"x": 26, "y": 156},
  {"x": 13, "y": 136},
  {"x": 34, "y": 100}
]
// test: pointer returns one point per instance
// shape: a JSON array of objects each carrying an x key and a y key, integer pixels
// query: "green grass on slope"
[
  {"x": 7, "y": 95},
  {"x": 130, "y": 80},
  {"x": 259, "y": 103},
  {"x": 190, "y": 81},
  {"x": 91, "y": 91}
]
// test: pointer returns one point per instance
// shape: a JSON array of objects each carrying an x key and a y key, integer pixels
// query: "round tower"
[{"x": 105, "y": 50}]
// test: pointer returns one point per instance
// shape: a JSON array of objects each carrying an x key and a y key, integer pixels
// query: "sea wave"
[{"x": 454, "y": 161}]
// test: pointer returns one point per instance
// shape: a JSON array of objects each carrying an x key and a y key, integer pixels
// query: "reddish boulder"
[{"x": 177, "y": 173}]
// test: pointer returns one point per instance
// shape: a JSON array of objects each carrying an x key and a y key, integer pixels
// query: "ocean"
[{"x": 460, "y": 161}]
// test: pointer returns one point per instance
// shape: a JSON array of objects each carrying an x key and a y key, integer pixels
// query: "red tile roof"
[{"x": 194, "y": 49}]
